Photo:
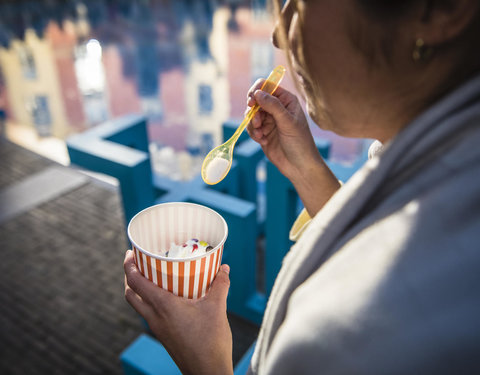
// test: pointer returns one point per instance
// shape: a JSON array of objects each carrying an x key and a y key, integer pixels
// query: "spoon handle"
[
  {"x": 246, "y": 120},
  {"x": 270, "y": 85}
]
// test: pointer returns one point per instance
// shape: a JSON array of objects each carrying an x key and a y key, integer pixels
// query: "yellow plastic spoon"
[{"x": 217, "y": 163}]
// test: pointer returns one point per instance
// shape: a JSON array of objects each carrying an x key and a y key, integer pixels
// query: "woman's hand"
[
  {"x": 196, "y": 333},
  {"x": 281, "y": 128}
]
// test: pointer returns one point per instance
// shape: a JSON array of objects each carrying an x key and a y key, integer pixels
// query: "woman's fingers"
[
  {"x": 254, "y": 127},
  {"x": 256, "y": 135},
  {"x": 148, "y": 291},
  {"x": 261, "y": 126},
  {"x": 257, "y": 120},
  {"x": 268, "y": 126},
  {"x": 285, "y": 96},
  {"x": 273, "y": 111},
  {"x": 256, "y": 86},
  {"x": 137, "y": 302},
  {"x": 220, "y": 285},
  {"x": 272, "y": 105}
]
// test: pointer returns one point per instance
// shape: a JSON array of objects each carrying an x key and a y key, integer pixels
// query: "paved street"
[{"x": 61, "y": 276}]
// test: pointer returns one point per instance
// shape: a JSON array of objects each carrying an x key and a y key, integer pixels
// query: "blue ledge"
[
  {"x": 119, "y": 148},
  {"x": 242, "y": 366},
  {"x": 146, "y": 356}
]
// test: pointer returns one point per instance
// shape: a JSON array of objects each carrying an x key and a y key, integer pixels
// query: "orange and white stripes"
[
  {"x": 187, "y": 278},
  {"x": 151, "y": 233}
]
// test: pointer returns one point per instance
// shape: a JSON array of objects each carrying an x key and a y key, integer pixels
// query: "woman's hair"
[
  {"x": 387, "y": 9},
  {"x": 383, "y": 13},
  {"x": 387, "y": 16},
  {"x": 281, "y": 40}
]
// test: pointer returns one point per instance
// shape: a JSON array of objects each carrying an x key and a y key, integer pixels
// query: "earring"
[{"x": 421, "y": 52}]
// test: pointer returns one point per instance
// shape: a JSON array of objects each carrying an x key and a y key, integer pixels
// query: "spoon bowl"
[{"x": 218, "y": 161}]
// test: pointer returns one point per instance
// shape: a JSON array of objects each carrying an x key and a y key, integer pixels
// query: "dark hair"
[
  {"x": 387, "y": 8},
  {"x": 386, "y": 16}
]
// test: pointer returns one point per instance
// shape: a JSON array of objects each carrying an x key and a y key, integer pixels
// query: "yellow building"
[{"x": 32, "y": 84}]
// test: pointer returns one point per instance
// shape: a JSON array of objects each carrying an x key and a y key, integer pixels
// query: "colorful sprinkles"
[{"x": 190, "y": 248}]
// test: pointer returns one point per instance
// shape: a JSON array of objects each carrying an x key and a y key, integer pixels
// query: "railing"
[{"x": 119, "y": 148}]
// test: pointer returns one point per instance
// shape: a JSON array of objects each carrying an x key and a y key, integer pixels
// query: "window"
[
  {"x": 95, "y": 108},
  {"x": 27, "y": 62},
  {"x": 205, "y": 102},
  {"x": 152, "y": 108},
  {"x": 91, "y": 80},
  {"x": 89, "y": 67},
  {"x": 40, "y": 112},
  {"x": 261, "y": 59}
]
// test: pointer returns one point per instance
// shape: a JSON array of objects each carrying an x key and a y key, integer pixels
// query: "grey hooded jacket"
[{"x": 386, "y": 278}]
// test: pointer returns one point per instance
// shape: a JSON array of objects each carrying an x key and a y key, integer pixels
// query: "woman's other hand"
[
  {"x": 281, "y": 128},
  {"x": 196, "y": 333}
]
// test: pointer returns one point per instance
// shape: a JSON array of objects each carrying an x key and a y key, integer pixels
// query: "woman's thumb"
[
  {"x": 221, "y": 284},
  {"x": 271, "y": 105}
]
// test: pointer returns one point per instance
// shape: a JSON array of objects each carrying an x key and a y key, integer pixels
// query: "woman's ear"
[{"x": 442, "y": 21}]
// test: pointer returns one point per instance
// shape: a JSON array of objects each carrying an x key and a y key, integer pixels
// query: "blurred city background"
[{"x": 67, "y": 66}]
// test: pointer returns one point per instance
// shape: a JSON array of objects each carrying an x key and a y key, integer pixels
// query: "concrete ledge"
[{"x": 37, "y": 189}]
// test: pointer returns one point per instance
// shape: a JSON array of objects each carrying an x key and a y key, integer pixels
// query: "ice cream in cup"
[{"x": 178, "y": 246}]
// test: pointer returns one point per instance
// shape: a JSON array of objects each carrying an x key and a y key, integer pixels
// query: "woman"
[{"x": 385, "y": 276}]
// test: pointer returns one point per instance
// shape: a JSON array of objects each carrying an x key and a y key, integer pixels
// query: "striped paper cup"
[{"x": 151, "y": 233}]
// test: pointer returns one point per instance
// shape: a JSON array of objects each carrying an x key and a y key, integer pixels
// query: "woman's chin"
[{"x": 318, "y": 116}]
